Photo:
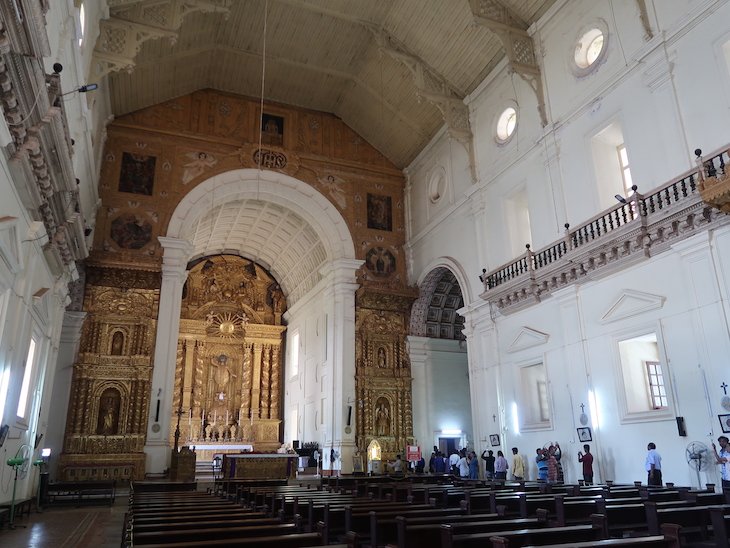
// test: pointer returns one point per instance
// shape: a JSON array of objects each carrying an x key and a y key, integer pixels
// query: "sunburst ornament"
[{"x": 227, "y": 324}]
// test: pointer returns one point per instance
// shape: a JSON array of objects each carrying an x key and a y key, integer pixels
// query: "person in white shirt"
[
  {"x": 723, "y": 459},
  {"x": 463, "y": 466},
  {"x": 397, "y": 465},
  {"x": 653, "y": 465},
  {"x": 454, "y": 463}
]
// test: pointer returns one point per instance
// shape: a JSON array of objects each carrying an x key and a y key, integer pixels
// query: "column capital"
[
  {"x": 341, "y": 271},
  {"x": 175, "y": 257}
]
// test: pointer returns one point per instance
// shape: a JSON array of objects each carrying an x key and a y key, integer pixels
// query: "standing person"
[
  {"x": 653, "y": 465},
  {"x": 432, "y": 463},
  {"x": 723, "y": 459},
  {"x": 518, "y": 465},
  {"x": 500, "y": 467},
  {"x": 542, "y": 466},
  {"x": 489, "y": 464},
  {"x": 473, "y": 465},
  {"x": 552, "y": 465},
  {"x": 454, "y": 463},
  {"x": 558, "y": 455},
  {"x": 587, "y": 460},
  {"x": 463, "y": 465},
  {"x": 397, "y": 465}
]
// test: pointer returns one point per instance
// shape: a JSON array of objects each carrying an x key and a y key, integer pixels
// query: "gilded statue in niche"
[
  {"x": 108, "y": 421},
  {"x": 382, "y": 417},
  {"x": 272, "y": 132}
]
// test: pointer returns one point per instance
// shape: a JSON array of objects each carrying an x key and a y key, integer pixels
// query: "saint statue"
[
  {"x": 382, "y": 420},
  {"x": 108, "y": 425},
  {"x": 382, "y": 362}
]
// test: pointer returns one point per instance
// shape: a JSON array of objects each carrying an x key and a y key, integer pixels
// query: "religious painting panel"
[
  {"x": 380, "y": 212},
  {"x": 137, "y": 175},
  {"x": 130, "y": 231},
  {"x": 380, "y": 261},
  {"x": 272, "y": 130}
]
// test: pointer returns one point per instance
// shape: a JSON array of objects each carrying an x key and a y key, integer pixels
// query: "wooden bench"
[
  {"x": 694, "y": 520},
  {"x": 298, "y": 540},
  {"x": 4, "y": 516},
  {"x": 452, "y": 538},
  {"x": 80, "y": 492},
  {"x": 22, "y": 507},
  {"x": 415, "y": 532},
  {"x": 202, "y": 535},
  {"x": 668, "y": 539},
  {"x": 720, "y": 526}
]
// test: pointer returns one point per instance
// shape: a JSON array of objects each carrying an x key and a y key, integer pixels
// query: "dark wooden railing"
[{"x": 637, "y": 209}]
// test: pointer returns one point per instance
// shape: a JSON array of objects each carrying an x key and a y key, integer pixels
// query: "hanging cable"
[{"x": 261, "y": 105}]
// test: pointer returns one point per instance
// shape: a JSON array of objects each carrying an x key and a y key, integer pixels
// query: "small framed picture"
[
  {"x": 724, "y": 423},
  {"x": 585, "y": 434},
  {"x": 494, "y": 439}
]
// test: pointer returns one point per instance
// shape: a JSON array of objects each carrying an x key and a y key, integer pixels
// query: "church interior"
[{"x": 372, "y": 229}]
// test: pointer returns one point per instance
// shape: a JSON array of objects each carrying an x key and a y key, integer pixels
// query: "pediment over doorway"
[
  {"x": 631, "y": 303},
  {"x": 527, "y": 338}
]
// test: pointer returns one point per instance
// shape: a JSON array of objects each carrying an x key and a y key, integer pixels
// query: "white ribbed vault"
[{"x": 279, "y": 222}]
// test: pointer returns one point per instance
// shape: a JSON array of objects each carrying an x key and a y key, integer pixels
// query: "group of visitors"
[{"x": 464, "y": 464}]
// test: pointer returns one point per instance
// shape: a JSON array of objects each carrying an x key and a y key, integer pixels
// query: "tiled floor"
[{"x": 65, "y": 527}]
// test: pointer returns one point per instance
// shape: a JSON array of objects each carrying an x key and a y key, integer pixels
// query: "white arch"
[
  {"x": 268, "y": 186},
  {"x": 455, "y": 267}
]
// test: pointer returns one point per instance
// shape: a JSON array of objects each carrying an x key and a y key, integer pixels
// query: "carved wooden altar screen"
[
  {"x": 229, "y": 356},
  {"x": 107, "y": 417},
  {"x": 383, "y": 371}
]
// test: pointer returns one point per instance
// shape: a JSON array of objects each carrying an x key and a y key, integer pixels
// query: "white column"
[
  {"x": 418, "y": 352},
  {"x": 67, "y": 351},
  {"x": 175, "y": 258},
  {"x": 341, "y": 287}
]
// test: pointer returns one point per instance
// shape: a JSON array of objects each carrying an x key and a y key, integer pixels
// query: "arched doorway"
[
  {"x": 442, "y": 415},
  {"x": 287, "y": 228}
]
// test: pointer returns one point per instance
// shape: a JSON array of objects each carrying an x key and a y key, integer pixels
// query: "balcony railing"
[{"x": 633, "y": 214}]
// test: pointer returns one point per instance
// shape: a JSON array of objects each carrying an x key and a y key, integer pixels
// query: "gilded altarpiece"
[
  {"x": 229, "y": 358},
  {"x": 108, "y": 407},
  {"x": 383, "y": 370}
]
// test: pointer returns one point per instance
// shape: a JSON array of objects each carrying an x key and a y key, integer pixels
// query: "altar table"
[{"x": 259, "y": 465}]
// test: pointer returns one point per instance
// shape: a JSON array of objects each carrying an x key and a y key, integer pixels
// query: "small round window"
[
  {"x": 506, "y": 124},
  {"x": 589, "y": 48}
]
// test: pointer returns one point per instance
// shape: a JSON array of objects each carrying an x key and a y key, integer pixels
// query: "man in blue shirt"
[{"x": 653, "y": 465}]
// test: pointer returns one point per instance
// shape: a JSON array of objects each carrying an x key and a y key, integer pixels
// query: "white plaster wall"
[
  {"x": 445, "y": 404},
  {"x": 670, "y": 95}
]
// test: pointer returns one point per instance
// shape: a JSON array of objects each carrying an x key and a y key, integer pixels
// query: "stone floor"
[{"x": 68, "y": 527}]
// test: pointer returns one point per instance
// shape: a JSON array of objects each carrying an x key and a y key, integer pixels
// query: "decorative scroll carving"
[
  {"x": 517, "y": 43},
  {"x": 269, "y": 159},
  {"x": 132, "y": 23},
  {"x": 433, "y": 87}
]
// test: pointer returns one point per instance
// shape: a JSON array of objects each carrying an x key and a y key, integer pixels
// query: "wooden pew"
[
  {"x": 416, "y": 532},
  {"x": 668, "y": 539},
  {"x": 383, "y": 524},
  {"x": 203, "y": 535},
  {"x": 720, "y": 526},
  {"x": 694, "y": 520},
  {"x": 80, "y": 492},
  {"x": 457, "y": 537},
  {"x": 298, "y": 540}
]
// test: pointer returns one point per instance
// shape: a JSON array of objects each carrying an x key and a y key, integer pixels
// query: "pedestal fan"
[
  {"x": 698, "y": 458},
  {"x": 20, "y": 464}
]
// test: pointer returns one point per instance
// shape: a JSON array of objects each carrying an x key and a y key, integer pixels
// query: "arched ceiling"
[
  {"x": 270, "y": 234},
  {"x": 434, "y": 313},
  {"x": 393, "y": 70}
]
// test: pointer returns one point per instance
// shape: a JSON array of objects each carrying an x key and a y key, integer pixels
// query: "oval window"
[
  {"x": 589, "y": 48},
  {"x": 506, "y": 124}
]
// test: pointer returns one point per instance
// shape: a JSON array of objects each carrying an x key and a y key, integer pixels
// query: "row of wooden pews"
[
  {"x": 177, "y": 519},
  {"x": 397, "y": 514}
]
